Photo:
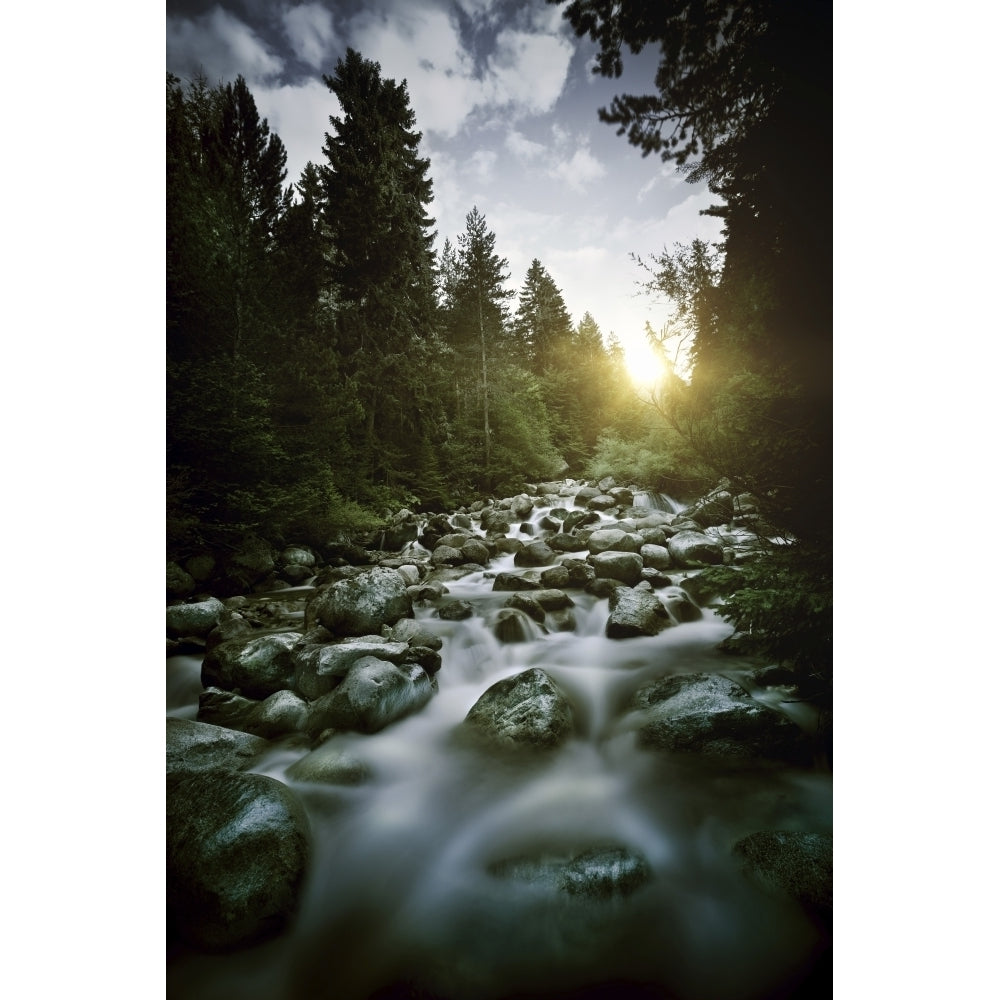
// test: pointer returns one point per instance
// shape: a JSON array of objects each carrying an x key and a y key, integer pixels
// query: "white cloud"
[
  {"x": 423, "y": 47},
  {"x": 529, "y": 70},
  {"x": 523, "y": 147},
  {"x": 309, "y": 28},
  {"x": 683, "y": 222},
  {"x": 221, "y": 45},
  {"x": 301, "y": 117},
  {"x": 578, "y": 171}
]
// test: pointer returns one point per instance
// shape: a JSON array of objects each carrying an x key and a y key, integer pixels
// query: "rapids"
[{"x": 402, "y": 899}]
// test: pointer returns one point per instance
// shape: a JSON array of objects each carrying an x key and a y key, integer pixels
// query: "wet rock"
[
  {"x": 198, "y": 618},
  {"x": 237, "y": 851},
  {"x": 320, "y": 668},
  {"x": 711, "y": 715},
  {"x": 680, "y": 605},
  {"x": 475, "y": 551},
  {"x": 656, "y": 556},
  {"x": 413, "y": 633},
  {"x": 255, "y": 667},
  {"x": 526, "y": 710},
  {"x": 374, "y": 694},
  {"x": 515, "y": 581},
  {"x": 515, "y": 625},
  {"x": 635, "y": 613},
  {"x": 563, "y": 542},
  {"x": 581, "y": 573},
  {"x": 715, "y": 508},
  {"x": 528, "y": 603},
  {"x": 598, "y": 873},
  {"x": 279, "y": 714},
  {"x": 625, "y": 567},
  {"x": 329, "y": 765},
  {"x": 579, "y": 519},
  {"x": 612, "y": 540},
  {"x": 584, "y": 495},
  {"x": 456, "y": 611},
  {"x": 556, "y": 576},
  {"x": 694, "y": 549},
  {"x": 535, "y": 554},
  {"x": 198, "y": 746},
  {"x": 601, "y": 502},
  {"x": 363, "y": 604},
  {"x": 446, "y": 555},
  {"x": 797, "y": 864}
]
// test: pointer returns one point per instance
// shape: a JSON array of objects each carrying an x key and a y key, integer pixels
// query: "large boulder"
[
  {"x": 711, "y": 715},
  {"x": 612, "y": 540},
  {"x": 362, "y": 604},
  {"x": 279, "y": 714},
  {"x": 694, "y": 549},
  {"x": 198, "y": 746},
  {"x": 515, "y": 581},
  {"x": 635, "y": 613},
  {"x": 255, "y": 667},
  {"x": 790, "y": 862},
  {"x": 374, "y": 694},
  {"x": 535, "y": 554},
  {"x": 328, "y": 764},
  {"x": 319, "y": 668},
  {"x": 515, "y": 625},
  {"x": 526, "y": 710},
  {"x": 195, "y": 619},
  {"x": 237, "y": 851},
  {"x": 626, "y": 567},
  {"x": 597, "y": 873},
  {"x": 656, "y": 556}
]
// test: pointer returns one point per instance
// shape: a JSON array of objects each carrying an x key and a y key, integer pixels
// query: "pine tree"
[
  {"x": 480, "y": 313},
  {"x": 542, "y": 326},
  {"x": 381, "y": 261}
]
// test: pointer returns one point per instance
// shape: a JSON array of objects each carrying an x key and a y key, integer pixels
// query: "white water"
[{"x": 400, "y": 892}]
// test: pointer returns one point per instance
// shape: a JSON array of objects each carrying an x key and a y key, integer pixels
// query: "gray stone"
[
  {"x": 526, "y": 710},
  {"x": 198, "y": 618},
  {"x": 319, "y": 668},
  {"x": 598, "y": 873},
  {"x": 626, "y": 567},
  {"x": 797, "y": 864},
  {"x": 363, "y": 604},
  {"x": 255, "y": 667},
  {"x": 694, "y": 549},
  {"x": 198, "y": 746},
  {"x": 237, "y": 851},
  {"x": 328, "y": 765},
  {"x": 374, "y": 694},
  {"x": 635, "y": 613},
  {"x": 279, "y": 714},
  {"x": 710, "y": 715}
]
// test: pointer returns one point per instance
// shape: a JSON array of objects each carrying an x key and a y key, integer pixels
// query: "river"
[{"x": 404, "y": 898}]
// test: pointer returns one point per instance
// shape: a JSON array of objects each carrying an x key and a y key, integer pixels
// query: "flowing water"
[{"x": 403, "y": 899}]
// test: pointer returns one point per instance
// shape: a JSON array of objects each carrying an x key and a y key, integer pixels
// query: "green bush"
[{"x": 781, "y": 607}]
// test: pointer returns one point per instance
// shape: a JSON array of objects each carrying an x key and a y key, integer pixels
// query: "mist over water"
[{"x": 403, "y": 893}]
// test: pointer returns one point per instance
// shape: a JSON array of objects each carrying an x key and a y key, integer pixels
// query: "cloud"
[
  {"x": 220, "y": 45},
  {"x": 523, "y": 147},
  {"x": 529, "y": 70},
  {"x": 301, "y": 117},
  {"x": 309, "y": 28},
  {"x": 578, "y": 171},
  {"x": 423, "y": 47}
]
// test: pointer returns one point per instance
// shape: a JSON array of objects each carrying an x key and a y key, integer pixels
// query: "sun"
[{"x": 643, "y": 364}]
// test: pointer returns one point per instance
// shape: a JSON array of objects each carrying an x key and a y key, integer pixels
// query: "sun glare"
[{"x": 643, "y": 364}]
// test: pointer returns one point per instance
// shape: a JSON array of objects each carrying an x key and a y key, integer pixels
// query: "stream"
[{"x": 403, "y": 898}]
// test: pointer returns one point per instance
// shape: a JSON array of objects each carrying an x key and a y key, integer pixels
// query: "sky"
[{"x": 507, "y": 103}]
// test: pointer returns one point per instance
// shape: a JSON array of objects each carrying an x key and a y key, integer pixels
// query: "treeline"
[{"x": 323, "y": 362}]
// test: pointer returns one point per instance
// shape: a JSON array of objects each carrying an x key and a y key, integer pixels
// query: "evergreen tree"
[
  {"x": 381, "y": 262},
  {"x": 542, "y": 327},
  {"x": 480, "y": 314}
]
